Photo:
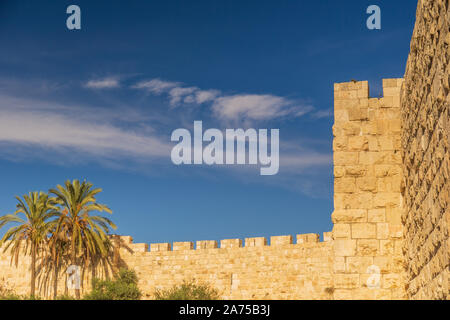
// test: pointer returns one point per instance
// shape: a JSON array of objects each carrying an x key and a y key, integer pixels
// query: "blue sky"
[{"x": 100, "y": 104}]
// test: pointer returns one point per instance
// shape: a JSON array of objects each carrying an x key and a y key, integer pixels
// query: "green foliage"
[
  {"x": 38, "y": 210},
  {"x": 188, "y": 291},
  {"x": 10, "y": 296},
  {"x": 7, "y": 294},
  {"x": 123, "y": 287},
  {"x": 87, "y": 233},
  {"x": 64, "y": 297},
  {"x": 13, "y": 296},
  {"x": 60, "y": 226}
]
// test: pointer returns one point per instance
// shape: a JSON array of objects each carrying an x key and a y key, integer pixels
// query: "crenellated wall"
[
  {"x": 390, "y": 238},
  {"x": 238, "y": 270},
  {"x": 288, "y": 268},
  {"x": 367, "y": 232}
]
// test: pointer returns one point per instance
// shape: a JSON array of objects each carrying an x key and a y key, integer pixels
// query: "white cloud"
[
  {"x": 245, "y": 107},
  {"x": 178, "y": 93},
  {"x": 120, "y": 135},
  {"x": 191, "y": 95},
  {"x": 202, "y": 96},
  {"x": 322, "y": 114},
  {"x": 46, "y": 125},
  {"x": 106, "y": 83},
  {"x": 256, "y": 107},
  {"x": 156, "y": 86},
  {"x": 306, "y": 159}
]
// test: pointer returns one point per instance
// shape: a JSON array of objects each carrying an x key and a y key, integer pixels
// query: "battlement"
[
  {"x": 360, "y": 89},
  {"x": 353, "y": 103},
  {"x": 391, "y": 199},
  {"x": 257, "y": 242}
]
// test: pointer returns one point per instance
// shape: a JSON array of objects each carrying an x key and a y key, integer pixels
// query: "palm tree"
[
  {"x": 57, "y": 256},
  {"x": 39, "y": 210},
  {"x": 86, "y": 233}
]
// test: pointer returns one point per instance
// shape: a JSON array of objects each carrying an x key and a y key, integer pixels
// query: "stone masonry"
[
  {"x": 390, "y": 238},
  {"x": 367, "y": 232},
  {"x": 426, "y": 160}
]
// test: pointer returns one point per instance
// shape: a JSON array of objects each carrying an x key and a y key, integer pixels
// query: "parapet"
[
  {"x": 352, "y": 104},
  {"x": 360, "y": 89},
  {"x": 351, "y": 90},
  {"x": 257, "y": 242}
]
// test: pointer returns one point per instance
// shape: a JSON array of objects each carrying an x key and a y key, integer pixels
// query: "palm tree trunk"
[
  {"x": 33, "y": 269},
  {"x": 74, "y": 262},
  {"x": 55, "y": 279},
  {"x": 93, "y": 266},
  {"x": 66, "y": 289}
]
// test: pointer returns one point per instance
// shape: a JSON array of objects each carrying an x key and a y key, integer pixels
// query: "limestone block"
[
  {"x": 344, "y": 248},
  {"x": 346, "y": 281},
  {"x": 394, "y": 214},
  {"x": 327, "y": 236},
  {"x": 367, "y": 247},
  {"x": 369, "y": 129},
  {"x": 305, "y": 238},
  {"x": 339, "y": 171},
  {"x": 281, "y": 240},
  {"x": 206, "y": 244},
  {"x": 389, "y": 184},
  {"x": 139, "y": 247},
  {"x": 341, "y": 115},
  {"x": 387, "y": 247},
  {"x": 391, "y": 281},
  {"x": 345, "y": 158},
  {"x": 342, "y": 294},
  {"x": 395, "y": 231},
  {"x": 365, "y": 293},
  {"x": 187, "y": 245},
  {"x": 340, "y": 144},
  {"x": 390, "y": 83},
  {"x": 156, "y": 247},
  {"x": 230, "y": 243},
  {"x": 382, "y": 231},
  {"x": 376, "y": 215},
  {"x": 358, "y": 114},
  {"x": 341, "y": 231},
  {"x": 255, "y": 242},
  {"x": 366, "y": 183},
  {"x": 339, "y": 265},
  {"x": 358, "y": 143},
  {"x": 356, "y": 170},
  {"x": 349, "y": 216},
  {"x": 358, "y": 265},
  {"x": 386, "y": 199},
  {"x": 364, "y": 231},
  {"x": 391, "y": 91}
]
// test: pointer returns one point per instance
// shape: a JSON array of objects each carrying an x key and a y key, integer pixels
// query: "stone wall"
[
  {"x": 367, "y": 232},
  {"x": 253, "y": 270},
  {"x": 390, "y": 238},
  {"x": 426, "y": 159},
  {"x": 249, "y": 270},
  {"x": 17, "y": 277}
]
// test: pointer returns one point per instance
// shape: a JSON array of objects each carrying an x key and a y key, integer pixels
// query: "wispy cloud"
[
  {"x": 156, "y": 86},
  {"x": 105, "y": 83},
  {"x": 58, "y": 127},
  {"x": 32, "y": 128},
  {"x": 319, "y": 114},
  {"x": 256, "y": 107},
  {"x": 244, "y": 107},
  {"x": 202, "y": 96},
  {"x": 179, "y": 94}
]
